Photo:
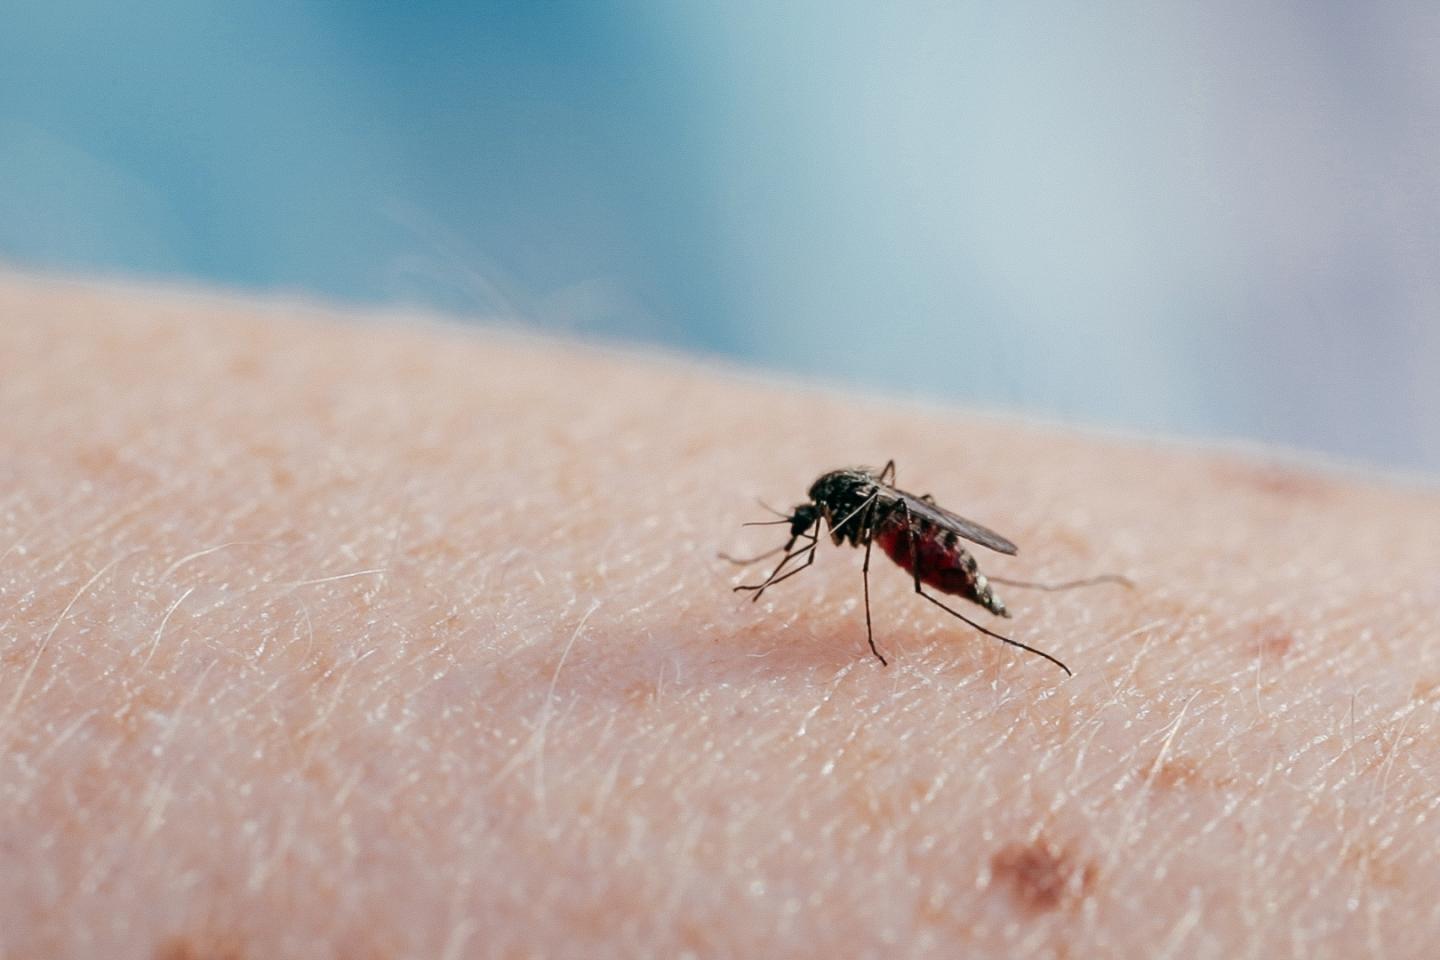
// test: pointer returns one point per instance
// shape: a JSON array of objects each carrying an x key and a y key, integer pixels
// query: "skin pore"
[{"x": 325, "y": 636}]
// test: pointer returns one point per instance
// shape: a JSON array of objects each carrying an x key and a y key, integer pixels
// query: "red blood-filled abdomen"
[
  {"x": 939, "y": 566},
  {"x": 939, "y": 560}
]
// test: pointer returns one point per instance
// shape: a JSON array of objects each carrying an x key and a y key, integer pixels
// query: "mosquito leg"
[
  {"x": 783, "y": 548},
  {"x": 1068, "y": 584},
  {"x": 867, "y": 505},
  {"x": 889, "y": 469},
  {"x": 746, "y": 561},
  {"x": 760, "y": 588},
  {"x": 991, "y": 633},
  {"x": 915, "y": 571},
  {"x": 784, "y": 561},
  {"x": 775, "y": 576},
  {"x": 865, "y": 577}
]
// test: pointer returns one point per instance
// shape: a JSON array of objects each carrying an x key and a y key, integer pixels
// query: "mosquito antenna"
[
  {"x": 1068, "y": 584},
  {"x": 767, "y": 506},
  {"x": 764, "y": 523}
]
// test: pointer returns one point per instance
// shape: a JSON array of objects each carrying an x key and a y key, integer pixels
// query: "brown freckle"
[
  {"x": 132, "y": 717},
  {"x": 314, "y": 771},
  {"x": 1176, "y": 773},
  {"x": 321, "y": 667},
  {"x": 270, "y": 456},
  {"x": 1276, "y": 643},
  {"x": 1071, "y": 540},
  {"x": 639, "y": 694},
  {"x": 919, "y": 790},
  {"x": 245, "y": 366},
  {"x": 1378, "y": 870},
  {"x": 206, "y": 948},
  {"x": 1184, "y": 772},
  {"x": 18, "y": 656},
  {"x": 1279, "y": 482},
  {"x": 431, "y": 549},
  {"x": 1424, "y": 689},
  {"x": 97, "y": 460},
  {"x": 694, "y": 938},
  {"x": 88, "y": 784},
  {"x": 1042, "y": 875}
]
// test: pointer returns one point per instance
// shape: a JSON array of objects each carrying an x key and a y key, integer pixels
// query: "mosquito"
[{"x": 863, "y": 507}]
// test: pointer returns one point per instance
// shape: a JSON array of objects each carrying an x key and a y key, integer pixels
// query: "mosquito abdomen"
[{"x": 938, "y": 560}]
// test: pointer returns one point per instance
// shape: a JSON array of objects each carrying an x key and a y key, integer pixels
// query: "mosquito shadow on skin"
[{"x": 605, "y": 663}]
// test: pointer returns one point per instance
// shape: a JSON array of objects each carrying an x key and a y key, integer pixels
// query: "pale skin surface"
[{"x": 335, "y": 639}]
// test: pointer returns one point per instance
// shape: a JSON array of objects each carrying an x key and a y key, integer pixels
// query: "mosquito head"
[{"x": 802, "y": 519}]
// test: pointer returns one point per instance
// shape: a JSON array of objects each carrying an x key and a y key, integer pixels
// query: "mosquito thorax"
[
  {"x": 841, "y": 488},
  {"x": 839, "y": 494}
]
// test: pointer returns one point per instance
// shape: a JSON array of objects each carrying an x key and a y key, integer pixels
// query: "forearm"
[{"x": 325, "y": 639}]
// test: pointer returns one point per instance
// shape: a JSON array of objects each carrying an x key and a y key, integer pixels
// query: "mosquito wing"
[{"x": 968, "y": 529}]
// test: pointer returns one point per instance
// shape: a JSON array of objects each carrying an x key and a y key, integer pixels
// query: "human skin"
[{"x": 328, "y": 636}]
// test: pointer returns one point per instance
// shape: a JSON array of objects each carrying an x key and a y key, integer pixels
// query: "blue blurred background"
[{"x": 1212, "y": 220}]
